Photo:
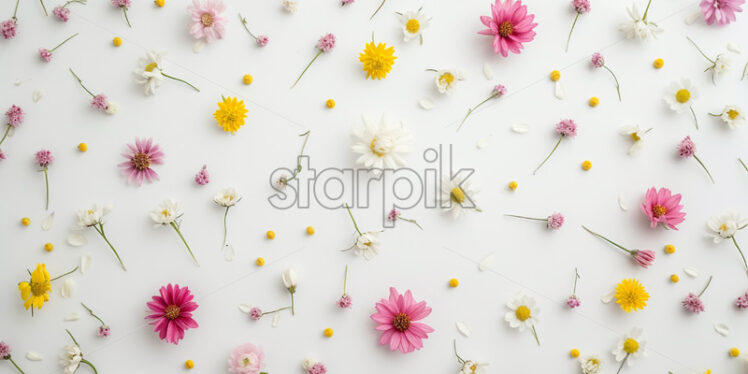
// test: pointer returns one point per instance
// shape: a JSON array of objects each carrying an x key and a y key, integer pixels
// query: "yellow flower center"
[
  {"x": 473, "y": 368},
  {"x": 659, "y": 211},
  {"x": 246, "y": 362},
  {"x": 506, "y": 28},
  {"x": 377, "y": 150},
  {"x": 446, "y": 79},
  {"x": 630, "y": 346},
  {"x": 412, "y": 25},
  {"x": 165, "y": 212},
  {"x": 38, "y": 289},
  {"x": 172, "y": 312},
  {"x": 457, "y": 195},
  {"x": 683, "y": 95},
  {"x": 635, "y": 136},
  {"x": 723, "y": 227},
  {"x": 732, "y": 113},
  {"x": 149, "y": 68},
  {"x": 401, "y": 322},
  {"x": 141, "y": 161},
  {"x": 593, "y": 361},
  {"x": 206, "y": 19},
  {"x": 522, "y": 313},
  {"x": 90, "y": 212}
]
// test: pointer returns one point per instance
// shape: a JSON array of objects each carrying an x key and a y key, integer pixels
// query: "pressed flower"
[
  {"x": 208, "y": 21},
  {"x": 290, "y": 280},
  {"x": 643, "y": 258},
  {"x": 636, "y": 135},
  {"x": 169, "y": 213},
  {"x": 366, "y": 243},
  {"x": 46, "y": 54},
  {"x": 720, "y": 64},
  {"x": 742, "y": 301},
  {"x": 693, "y": 303},
  {"x": 5, "y": 355},
  {"x": 731, "y": 115},
  {"x": 631, "y": 295},
  {"x": 524, "y": 313},
  {"x": 62, "y": 13},
  {"x": 498, "y": 91},
  {"x": 457, "y": 194},
  {"x": 230, "y": 114},
  {"x": 104, "y": 329},
  {"x": 172, "y": 312},
  {"x": 413, "y": 22},
  {"x": 260, "y": 40},
  {"x": 8, "y": 27},
  {"x": 36, "y": 291},
  {"x": 246, "y": 359},
  {"x": 573, "y": 301},
  {"x": 202, "y": 177},
  {"x": 150, "y": 73},
  {"x": 13, "y": 117},
  {"x": 395, "y": 215},
  {"x": 630, "y": 347},
  {"x": 141, "y": 157},
  {"x": 720, "y": 11},
  {"x": 256, "y": 313},
  {"x": 446, "y": 79},
  {"x": 100, "y": 101},
  {"x": 725, "y": 226},
  {"x": 72, "y": 356},
  {"x": 591, "y": 364},
  {"x": 94, "y": 217},
  {"x": 125, "y": 6},
  {"x": 226, "y": 198},
  {"x": 687, "y": 148},
  {"x": 662, "y": 206},
  {"x": 377, "y": 59},
  {"x": 638, "y": 25},
  {"x": 580, "y": 7},
  {"x": 397, "y": 318},
  {"x": 325, "y": 44},
  {"x": 284, "y": 180},
  {"x": 44, "y": 158},
  {"x": 598, "y": 61},
  {"x": 381, "y": 145},
  {"x": 565, "y": 128},
  {"x": 510, "y": 26},
  {"x": 680, "y": 96},
  {"x": 554, "y": 221},
  {"x": 345, "y": 300},
  {"x": 468, "y": 366}
]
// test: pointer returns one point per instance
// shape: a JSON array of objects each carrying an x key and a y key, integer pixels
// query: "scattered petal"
[
  {"x": 559, "y": 91},
  {"x": 198, "y": 46},
  {"x": 485, "y": 262},
  {"x": 48, "y": 221},
  {"x": 691, "y": 272},
  {"x": 482, "y": 142},
  {"x": 77, "y": 240},
  {"x": 693, "y": 17},
  {"x": 622, "y": 204},
  {"x": 17, "y": 82},
  {"x": 463, "y": 329},
  {"x": 33, "y": 356},
  {"x": 67, "y": 288},
  {"x": 732, "y": 47},
  {"x": 37, "y": 95},
  {"x": 245, "y": 308},
  {"x": 72, "y": 317},
  {"x": 85, "y": 263},
  {"x": 608, "y": 297},
  {"x": 276, "y": 319},
  {"x": 426, "y": 103},
  {"x": 722, "y": 329},
  {"x": 229, "y": 253},
  {"x": 520, "y": 128},
  {"x": 487, "y": 71}
]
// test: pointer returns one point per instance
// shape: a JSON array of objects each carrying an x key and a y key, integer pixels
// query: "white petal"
[
  {"x": 691, "y": 272},
  {"x": 608, "y": 297},
  {"x": 33, "y": 356},
  {"x": 487, "y": 71},
  {"x": 229, "y": 253},
  {"x": 77, "y": 240},
  {"x": 520, "y": 128},
  {"x": 559, "y": 91},
  {"x": 486, "y": 262},
  {"x": 67, "y": 288},
  {"x": 482, "y": 142},
  {"x": 198, "y": 46},
  {"x": 463, "y": 329},
  {"x": 276, "y": 319},
  {"x": 622, "y": 204},
  {"x": 722, "y": 329},
  {"x": 72, "y": 317},
  {"x": 693, "y": 17},
  {"x": 732, "y": 47},
  {"x": 37, "y": 95},
  {"x": 17, "y": 82},
  {"x": 426, "y": 103},
  {"x": 245, "y": 308},
  {"x": 85, "y": 263},
  {"x": 48, "y": 221}
]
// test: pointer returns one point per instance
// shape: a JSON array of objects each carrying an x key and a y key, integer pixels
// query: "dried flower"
[
  {"x": 345, "y": 300},
  {"x": 742, "y": 301},
  {"x": 169, "y": 213},
  {"x": 202, "y": 177},
  {"x": 554, "y": 221},
  {"x": 573, "y": 301},
  {"x": 498, "y": 91},
  {"x": 260, "y": 40},
  {"x": 367, "y": 243},
  {"x": 720, "y": 64},
  {"x": 325, "y": 44},
  {"x": 565, "y": 128},
  {"x": 639, "y": 25},
  {"x": 226, "y": 198},
  {"x": 643, "y": 258},
  {"x": 5, "y": 355},
  {"x": 290, "y": 6},
  {"x": 99, "y": 101},
  {"x": 580, "y": 7},
  {"x": 46, "y": 54},
  {"x": 44, "y": 158},
  {"x": 72, "y": 356},
  {"x": 8, "y": 27},
  {"x": 395, "y": 215},
  {"x": 598, "y": 61},
  {"x": 62, "y": 13},
  {"x": 290, "y": 281},
  {"x": 104, "y": 329},
  {"x": 382, "y": 144},
  {"x": 124, "y": 5},
  {"x": 687, "y": 149},
  {"x": 692, "y": 303}
]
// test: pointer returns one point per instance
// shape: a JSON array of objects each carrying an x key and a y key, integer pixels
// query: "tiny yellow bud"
[
  {"x": 594, "y": 101},
  {"x": 513, "y": 185},
  {"x": 674, "y": 278},
  {"x": 555, "y": 75},
  {"x": 160, "y": 3},
  {"x": 328, "y": 332},
  {"x": 454, "y": 282},
  {"x": 82, "y": 147},
  {"x": 310, "y": 230},
  {"x": 330, "y": 103},
  {"x": 188, "y": 364},
  {"x": 49, "y": 247},
  {"x": 117, "y": 41},
  {"x": 586, "y": 165},
  {"x": 658, "y": 63},
  {"x": 270, "y": 234},
  {"x": 574, "y": 353},
  {"x": 734, "y": 352},
  {"x": 260, "y": 261},
  {"x": 25, "y": 221},
  {"x": 248, "y": 79},
  {"x": 669, "y": 249}
]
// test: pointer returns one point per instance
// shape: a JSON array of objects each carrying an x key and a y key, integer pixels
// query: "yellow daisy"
[
  {"x": 377, "y": 60},
  {"x": 631, "y": 295},
  {"x": 35, "y": 291},
  {"x": 230, "y": 114}
]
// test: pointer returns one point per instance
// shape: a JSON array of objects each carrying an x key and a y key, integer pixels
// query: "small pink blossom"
[
  {"x": 693, "y": 304},
  {"x": 246, "y": 359},
  {"x": 14, "y": 116},
  {"x": 202, "y": 177},
  {"x": 4, "y": 350},
  {"x": 45, "y": 54},
  {"x": 100, "y": 102},
  {"x": 104, "y": 331},
  {"x": 121, "y": 3},
  {"x": 499, "y": 90},
  {"x": 393, "y": 214},
  {"x": 208, "y": 21},
  {"x": 597, "y": 60},
  {"x": 326, "y": 43},
  {"x": 44, "y": 158},
  {"x": 62, "y": 14},
  {"x": 720, "y": 11},
  {"x": 255, "y": 313},
  {"x": 510, "y": 26},
  {"x": 2, "y": 155},
  {"x": 643, "y": 258},
  {"x": 345, "y": 301},
  {"x": 318, "y": 368},
  {"x": 346, "y": 2},
  {"x": 262, "y": 40},
  {"x": 686, "y": 148},
  {"x": 567, "y": 127},
  {"x": 581, "y": 6},
  {"x": 573, "y": 301},
  {"x": 661, "y": 206},
  {"x": 742, "y": 301},
  {"x": 555, "y": 221},
  {"x": 8, "y": 28}
]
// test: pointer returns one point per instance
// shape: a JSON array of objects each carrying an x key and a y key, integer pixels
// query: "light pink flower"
[
  {"x": 202, "y": 177},
  {"x": 141, "y": 157},
  {"x": 172, "y": 312},
  {"x": 573, "y": 301},
  {"x": 246, "y": 359},
  {"x": 742, "y": 301},
  {"x": 44, "y": 158},
  {"x": 693, "y": 304},
  {"x": 555, "y": 221},
  {"x": 393, "y": 214},
  {"x": 345, "y": 301},
  {"x": 208, "y": 21},
  {"x": 326, "y": 43},
  {"x": 262, "y": 40},
  {"x": 8, "y": 28},
  {"x": 45, "y": 54},
  {"x": 104, "y": 331},
  {"x": 346, "y": 2},
  {"x": 317, "y": 368},
  {"x": 581, "y": 6},
  {"x": 14, "y": 116},
  {"x": 510, "y": 26},
  {"x": 597, "y": 60},
  {"x": 2, "y": 155},
  {"x": 4, "y": 350},
  {"x": 567, "y": 127},
  {"x": 721, "y": 11},
  {"x": 499, "y": 90},
  {"x": 686, "y": 148},
  {"x": 121, "y": 3},
  {"x": 644, "y": 258},
  {"x": 661, "y": 206},
  {"x": 63, "y": 14},
  {"x": 255, "y": 313},
  {"x": 100, "y": 102},
  {"x": 396, "y": 318}
]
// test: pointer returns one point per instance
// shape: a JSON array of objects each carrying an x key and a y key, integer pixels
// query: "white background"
[{"x": 528, "y": 257}]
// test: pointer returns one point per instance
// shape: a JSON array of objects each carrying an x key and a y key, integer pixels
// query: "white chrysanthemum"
[
  {"x": 680, "y": 95},
  {"x": 524, "y": 312},
  {"x": 636, "y": 134},
  {"x": 290, "y": 6},
  {"x": 630, "y": 347},
  {"x": 227, "y": 197},
  {"x": 148, "y": 72},
  {"x": 473, "y": 367},
  {"x": 381, "y": 145},
  {"x": 721, "y": 64},
  {"x": 70, "y": 359},
  {"x": 92, "y": 216},
  {"x": 457, "y": 195},
  {"x": 732, "y": 116},
  {"x": 166, "y": 213},
  {"x": 413, "y": 23},
  {"x": 446, "y": 80},
  {"x": 367, "y": 245},
  {"x": 637, "y": 26},
  {"x": 725, "y": 225},
  {"x": 591, "y": 364}
]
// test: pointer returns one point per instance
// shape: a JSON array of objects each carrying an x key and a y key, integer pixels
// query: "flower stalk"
[
  {"x": 179, "y": 232},
  {"x": 745, "y": 263},
  {"x": 180, "y": 80},
  {"x": 549, "y": 155},
  {"x": 706, "y": 286},
  {"x": 99, "y": 227},
  {"x": 44, "y": 8},
  {"x": 618, "y": 85},
  {"x": 225, "y": 230},
  {"x": 81, "y": 82},
  {"x": 570, "y": 31},
  {"x": 609, "y": 241},
  {"x": 46, "y": 187},
  {"x": 92, "y": 314},
  {"x": 378, "y": 8},
  {"x": 355, "y": 225},
  {"x": 319, "y": 52},
  {"x": 471, "y": 110},
  {"x": 63, "y": 42},
  {"x": 297, "y": 170}
]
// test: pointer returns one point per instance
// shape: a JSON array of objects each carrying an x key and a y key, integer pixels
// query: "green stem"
[
  {"x": 81, "y": 82},
  {"x": 377, "y": 11},
  {"x": 293, "y": 308},
  {"x": 100, "y": 230},
  {"x": 72, "y": 337},
  {"x": 530, "y": 218},
  {"x": 92, "y": 314},
  {"x": 174, "y": 225},
  {"x": 345, "y": 280},
  {"x": 695, "y": 120},
  {"x": 535, "y": 333},
  {"x": 63, "y": 42},
  {"x": 84, "y": 361},
  {"x": 411, "y": 221},
  {"x": 618, "y": 86},
  {"x": 470, "y": 110},
  {"x": 15, "y": 11},
  {"x": 298, "y": 159},
  {"x": 277, "y": 310},
  {"x": 46, "y": 184},
  {"x": 706, "y": 286},
  {"x": 622, "y": 362},
  {"x": 459, "y": 359},
  {"x": 244, "y": 23},
  {"x": 549, "y": 155},
  {"x": 572, "y": 29},
  {"x": 68, "y": 273},
  {"x": 44, "y": 7},
  {"x": 353, "y": 219},
  {"x": 742, "y": 163},
  {"x": 606, "y": 239},
  {"x": 700, "y": 51},
  {"x": 306, "y": 68},
  {"x": 16, "y": 365},
  {"x": 576, "y": 276},
  {"x": 224, "y": 227},
  {"x": 644, "y": 18},
  {"x": 745, "y": 69},
  {"x": 124, "y": 10},
  {"x": 180, "y": 80},
  {"x": 83, "y": 2},
  {"x": 705, "y": 169},
  {"x": 741, "y": 252},
  {"x": 7, "y": 130}
]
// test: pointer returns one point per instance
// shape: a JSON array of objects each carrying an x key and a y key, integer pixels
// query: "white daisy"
[
  {"x": 70, "y": 359},
  {"x": 630, "y": 347},
  {"x": 93, "y": 216},
  {"x": 591, "y": 364},
  {"x": 680, "y": 95},
  {"x": 381, "y": 145},
  {"x": 636, "y": 135},
  {"x": 166, "y": 213},
  {"x": 638, "y": 26},
  {"x": 227, "y": 197},
  {"x": 446, "y": 80},
  {"x": 367, "y": 245},
  {"x": 524, "y": 313},
  {"x": 148, "y": 72},
  {"x": 725, "y": 225},
  {"x": 721, "y": 64},
  {"x": 732, "y": 116},
  {"x": 457, "y": 194},
  {"x": 473, "y": 367},
  {"x": 413, "y": 23}
]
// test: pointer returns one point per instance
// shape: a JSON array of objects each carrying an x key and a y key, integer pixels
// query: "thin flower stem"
[
  {"x": 700, "y": 51},
  {"x": 124, "y": 10},
  {"x": 606, "y": 239},
  {"x": 83, "y": 2},
  {"x": 377, "y": 11},
  {"x": 68, "y": 273},
  {"x": 306, "y": 68},
  {"x": 81, "y": 82},
  {"x": 100, "y": 230},
  {"x": 44, "y": 7},
  {"x": 7, "y": 130},
  {"x": 705, "y": 169},
  {"x": 530, "y": 218},
  {"x": 695, "y": 120},
  {"x": 46, "y": 184},
  {"x": 618, "y": 86},
  {"x": 92, "y": 314},
  {"x": 572, "y": 29},
  {"x": 180, "y": 80},
  {"x": 293, "y": 308},
  {"x": 63, "y": 42},
  {"x": 15, "y": 11},
  {"x": 174, "y": 225},
  {"x": 706, "y": 286},
  {"x": 535, "y": 333},
  {"x": 411, "y": 221},
  {"x": 459, "y": 359},
  {"x": 16, "y": 365},
  {"x": 741, "y": 252},
  {"x": 225, "y": 231},
  {"x": 745, "y": 69},
  {"x": 622, "y": 362},
  {"x": 353, "y": 219},
  {"x": 549, "y": 155},
  {"x": 470, "y": 110},
  {"x": 715, "y": 115},
  {"x": 345, "y": 280},
  {"x": 89, "y": 364},
  {"x": 277, "y": 310},
  {"x": 298, "y": 159},
  {"x": 743, "y": 163},
  {"x": 72, "y": 337},
  {"x": 576, "y": 276},
  {"x": 646, "y": 10},
  {"x": 244, "y": 23}
]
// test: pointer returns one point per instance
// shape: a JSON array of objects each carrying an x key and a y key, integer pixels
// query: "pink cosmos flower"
[
  {"x": 202, "y": 177},
  {"x": 104, "y": 331},
  {"x": 345, "y": 301},
  {"x": 686, "y": 148},
  {"x": 8, "y": 28},
  {"x": 573, "y": 301},
  {"x": 246, "y": 359},
  {"x": 318, "y": 368},
  {"x": 644, "y": 258},
  {"x": 208, "y": 21},
  {"x": 140, "y": 158},
  {"x": 44, "y": 158},
  {"x": 262, "y": 40},
  {"x": 721, "y": 11},
  {"x": 555, "y": 221},
  {"x": 510, "y": 26},
  {"x": 661, "y": 206},
  {"x": 62, "y": 14},
  {"x": 742, "y": 301},
  {"x": 581, "y": 6},
  {"x": 14, "y": 116},
  {"x": 693, "y": 304},
  {"x": 255, "y": 313},
  {"x": 597, "y": 60},
  {"x": 567, "y": 127},
  {"x": 45, "y": 54},
  {"x": 172, "y": 313},
  {"x": 326, "y": 43},
  {"x": 396, "y": 318}
]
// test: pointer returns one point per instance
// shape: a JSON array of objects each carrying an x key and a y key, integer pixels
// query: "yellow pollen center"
[
  {"x": 90, "y": 211},
  {"x": 206, "y": 19},
  {"x": 630, "y": 346},
  {"x": 446, "y": 79},
  {"x": 38, "y": 289},
  {"x": 141, "y": 161},
  {"x": 635, "y": 136},
  {"x": 149, "y": 68},
  {"x": 723, "y": 227},
  {"x": 457, "y": 195},
  {"x": 165, "y": 212},
  {"x": 506, "y": 28},
  {"x": 172, "y": 312},
  {"x": 732, "y": 113},
  {"x": 522, "y": 313},
  {"x": 412, "y": 25},
  {"x": 683, "y": 95},
  {"x": 401, "y": 322},
  {"x": 376, "y": 150},
  {"x": 246, "y": 361},
  {"x": 659, "y": 211}
]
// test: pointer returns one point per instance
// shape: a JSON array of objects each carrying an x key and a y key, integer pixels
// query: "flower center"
[
  {"x": 172, "y": 312},
  {"x": 246, "y": 361},
  {"x": 165, "y": 212},
  {"x": 522, "y": 313},
  {"x": 635, "y": 136},
  {"x": 412, "y": 25},
  {"x": 38, "y": 289},
  {"x": 506, "y": 28},
  {"x": 206, "y": 19},
  {"x": 457, "y": 195},
  {"x": 683, "y": 95},
  {"x": 659, "y": 210},
  {"x": 630, "y": 346},
  {"x": 401, "y": 322},
  {"x": 732, "y": 113},
  {"x": 446, "y": 79},
  {"x": 149, "y": 68},
  {"x": 141, "y": 161},
  {"x": 381, "y": 147},
  {"x": 723, "y": 227}
]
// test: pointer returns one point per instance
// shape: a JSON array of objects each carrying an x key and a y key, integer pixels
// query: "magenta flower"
[
  {"x": 573, "y": 301},
  {"x": 554, "y": 221},
  {"x": 692, "y": 303},
  {"x": 140, "y": 158},
  {"x": 346, "y": 2},
  {"x": 104, "y": 331},
  {"x": 597, "y": 60},
  {"x": 396, "y": 318},
  {"x": 393, "y": 214},
  {"x": 510, "y": 26},
  {"x": 325, "y": 44},
  {"x": 246, "y": 359},
  {"x": 100, "y": 101},
  {"x": 46, "y": 54},
  {"x": 2, "y": 155},
  {"x": 4, "y": 350},
  {"x": 497, "y": 91},
  {"x": 317, "y": 368},
  {"x": 202, "y": 177},
  {"x": 687, "y": 148},
  {"x": 565, "y": 128},
  {"x": 345, "y": 301},
  {"x": 643, "y": 258},
  {"x": 721, "y": 11},
  {"x": 8, "y": 28},
  {"x": 172, "y": 313},
  {"x": 581, "y": 7},
  {"x": 261, "y": 40},
  {"x": 44, "y": 158},
  {"x": 661, "y": 206},
  {"x": 742, "y": 301},
  {"x": 62, "y": 13},
  {"x": 208, "y": 21},
  {"x": 14, "y": 116},
  {"x": 255, "y": 313}
]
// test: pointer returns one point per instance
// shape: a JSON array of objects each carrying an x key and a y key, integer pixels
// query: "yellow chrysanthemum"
[
  {"x": 377, "y": 60},
  {"x": 35, "y": 292},
  {"x": 631, "y": 295},
  {"x": 230, "y": 114}
]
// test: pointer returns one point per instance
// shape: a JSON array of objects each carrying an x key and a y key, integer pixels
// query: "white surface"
[{"x": 527, "y": 256}]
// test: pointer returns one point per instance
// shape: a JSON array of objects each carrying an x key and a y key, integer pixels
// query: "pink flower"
[
  {"x": 643, "y": 258},
  {"x": 202, "y": 177},
  {"x": 208, "y": 21},
  {"x": 2, "y": 155},
  {"x": 262, "y": 40},
  {"x": 345, "y": 301},
  {"x": 8, "y": 28},
  {"x": 581, "y": 6},
  {"x": 63, "y": 14},
  {"x": 567, "y": 127},
  {"x": 44, "y": 158},
  {"x": 318, "y": 368},
  {"x": 45, "y": 54},
  {"x": 742, "y": 301},
  {"x": 100, "y": 102},
  {"x": 140, "y": 158},
  {"x": 14, "y": 116},
  {"x": 172, "y": 312},
  {"x": 326, "y": 43},
  {"x": 597, "y": 60},
  {"x": 499, "y": 90},
  {"x": 663, "y": 207},
  {"x": 722, "y": 11},
  {"x": 693, "y": 304},
  {"x": 686, "y": 148},
  {"x": 246, "y": 359},
  {"x": 555, "y": 221},
  {"x": 393, "y": 214},
  {"x": 510, "y": 26},
  {"x": 255, "y": 313},
  {"x": 104, "y": 331},
  {"x": 346, "y": 2},
  {"x": 121, "y": 3},
  {"x": 396, "y": 318},
  {"x": 573, "y": 301},
  {"x": 4, "y": 350}
]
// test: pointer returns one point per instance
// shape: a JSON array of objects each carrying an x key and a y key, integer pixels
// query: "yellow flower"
[
  {"x": 230, "y": 114},
  {"x": 35, "y": 291},
  {"x": 377, "y": 60},
  {"x": 631, "y": 295}
]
